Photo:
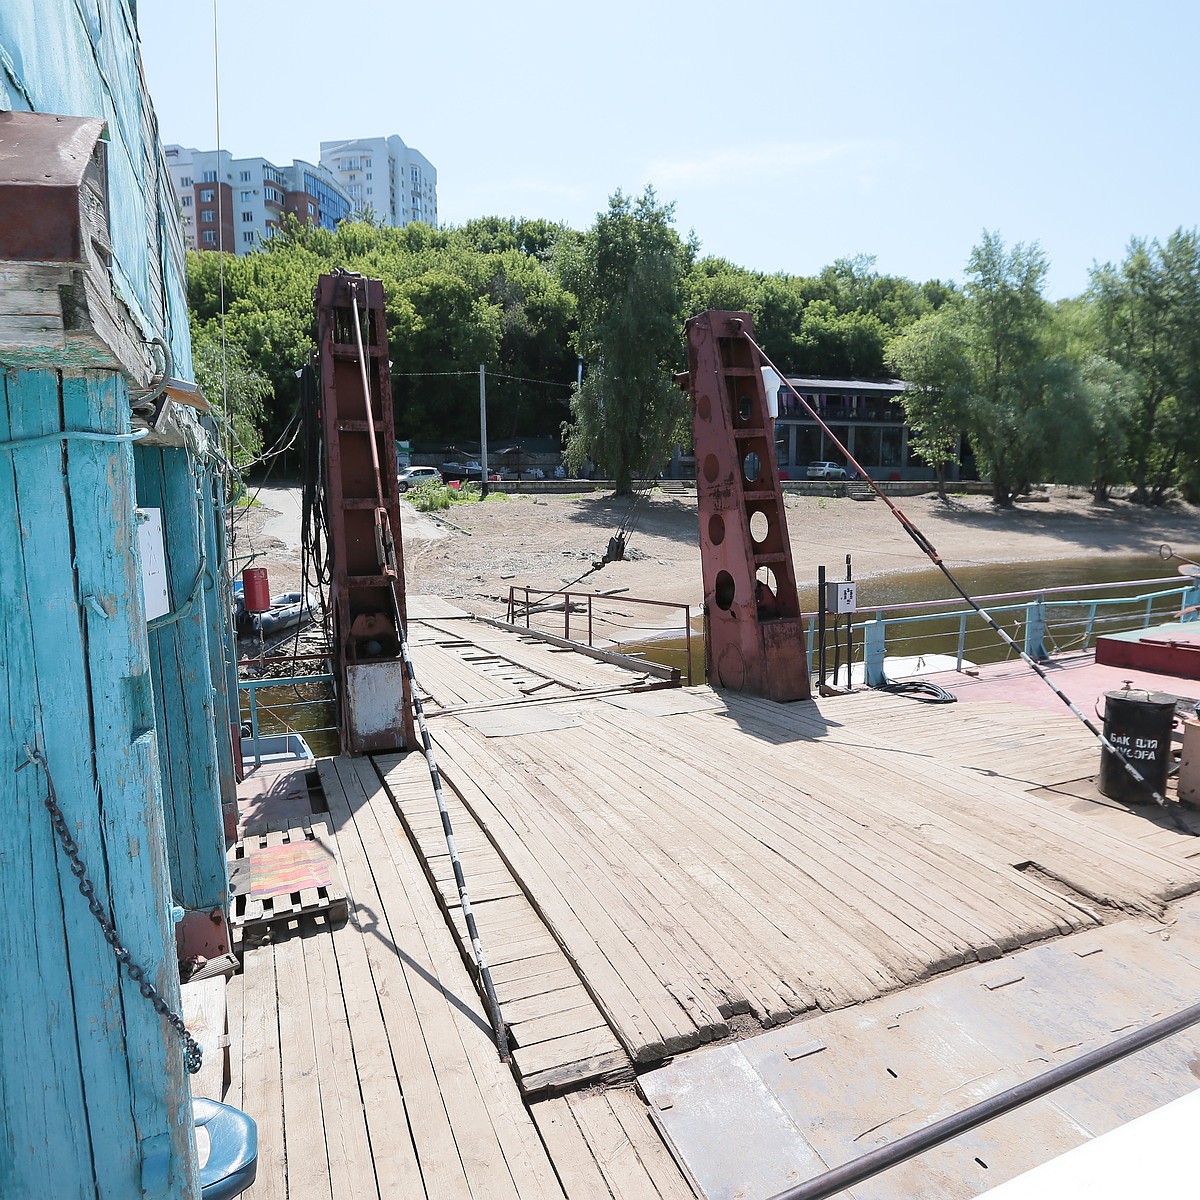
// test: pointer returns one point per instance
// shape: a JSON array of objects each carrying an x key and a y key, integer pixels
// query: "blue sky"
[{"x": 786, "y": 134}]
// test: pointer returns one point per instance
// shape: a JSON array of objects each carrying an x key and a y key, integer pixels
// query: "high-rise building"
[
  {"x": 236, "y": 204},
  {"x": 384, "y": 177}
]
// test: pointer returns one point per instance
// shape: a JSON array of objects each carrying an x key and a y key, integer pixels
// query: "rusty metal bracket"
[{"x": 754, "y": 633}]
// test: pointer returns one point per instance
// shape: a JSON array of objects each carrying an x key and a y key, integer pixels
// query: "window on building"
[
  {"x": 271, "y": 194},
  {"x": 209, "y": 236},
  {"x": 312, "y": 210},
  {"x": 248, "y": 236},
  {"x": 206, "y": 196},
  {"x": 246, "y": 177},
  {"x": 370, "y": 190},
  {"x": 186, "y": 201},
  {"x": 209, "y": 177},
  {"x": 186, "y": 181},
  {"x": 208, "y": 215},
  {"x": 247, "y": 195},
  {"x": 247, "y": 218},
  {"x": 368, "y": 174}
]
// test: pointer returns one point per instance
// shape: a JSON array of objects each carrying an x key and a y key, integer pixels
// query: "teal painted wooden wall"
[
  {"x": 93, "y": 1098},
  {"x": 185, "y": 699},
  {"x": 94, "y": 1102}
]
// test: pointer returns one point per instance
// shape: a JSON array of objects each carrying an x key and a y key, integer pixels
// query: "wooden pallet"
[{"x": 283, "y": 874}]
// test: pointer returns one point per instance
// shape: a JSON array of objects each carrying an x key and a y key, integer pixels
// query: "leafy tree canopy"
[{"x": 629, "y": 275}]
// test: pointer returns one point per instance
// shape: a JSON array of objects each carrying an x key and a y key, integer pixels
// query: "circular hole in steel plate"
[
  {"x": 724, "y": 591},
  {"x": 760, "y": 526}
]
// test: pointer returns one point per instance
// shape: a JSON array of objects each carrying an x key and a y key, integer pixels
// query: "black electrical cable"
[{"x": 920, "y": 689}]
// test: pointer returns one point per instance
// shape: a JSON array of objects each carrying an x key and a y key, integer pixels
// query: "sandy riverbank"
[{"x": 474, "y": 555}]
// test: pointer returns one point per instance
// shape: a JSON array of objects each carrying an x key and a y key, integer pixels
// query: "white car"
[
  {"x": 411, "y": 476},
  {"x": 825, "y": 470}
]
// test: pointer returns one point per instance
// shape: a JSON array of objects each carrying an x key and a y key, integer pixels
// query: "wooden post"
[
  {"x": 92, "y": 1089},
  {"x": 220, "y": 633},
  {"x": 183, "y": 689}
]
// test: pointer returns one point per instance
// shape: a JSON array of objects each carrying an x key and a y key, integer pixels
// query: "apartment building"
[
  {"x": 385, "y": 177},
  {"x": 235, "y": 204}
]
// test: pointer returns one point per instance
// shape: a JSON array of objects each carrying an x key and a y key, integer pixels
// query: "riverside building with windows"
[
  {"x": 235, "y": 204},
  {"x": 383, "y": 176},
  {"x": 866, "y": 416}
]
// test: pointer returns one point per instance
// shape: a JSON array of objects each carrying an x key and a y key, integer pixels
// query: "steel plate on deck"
[{"x": 747, "y": 1120}]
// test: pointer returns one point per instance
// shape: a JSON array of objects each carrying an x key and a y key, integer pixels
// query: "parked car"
[
  {"x": 411, "y": 476},
  {"x": 825, "y": 470}
]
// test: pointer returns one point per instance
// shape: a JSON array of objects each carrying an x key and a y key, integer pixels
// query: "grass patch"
[{"x": 432, "y": 496}]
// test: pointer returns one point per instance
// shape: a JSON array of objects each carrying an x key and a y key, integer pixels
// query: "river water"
[{"x": 941, "y": 636}]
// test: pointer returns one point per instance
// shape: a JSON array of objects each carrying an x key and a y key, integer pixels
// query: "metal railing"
[
  {"x": 282, "y": 713},
  {"x": 544, "y": 601},
  {"x": 1049, "y": 619}
]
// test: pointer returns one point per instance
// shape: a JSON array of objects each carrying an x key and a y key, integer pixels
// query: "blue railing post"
[
  {"x": 1191, "y": 600},
  {"x": 874, "y": 649},
  {"x": 254, "y": 724},
  {"x": 1035, "y": 630}
]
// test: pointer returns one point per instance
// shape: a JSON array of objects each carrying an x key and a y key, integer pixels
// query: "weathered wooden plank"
[
  {"x": 523, "y": 1154},
  {"x": 221, "y": 650},
  {"x": 563, "y": 1021},
  {"x": 581, "y": 1177},
  {"x": 347, "y": 1144},
  {"x": 442, "y": 1170},
  {"x": 526, "y": 960},
  {"x": 183, "y": 691},
  {"x": 202, "y": 1005},
  {"x": 654, "y": 1157},
  {"x": 625, "y": 992},
  {"x": 467, "y": 1121},
  {"x": 611, "y": 1067},
  {"x": 262, "y": 1074},
  {"x": 627, "y": 1178},
  {"x": 41, "y": 1086},
  {"x": 303, "y": 1122},
  {"x": 392, "y": 1153},
  {"x": 560, "y": 1052}
]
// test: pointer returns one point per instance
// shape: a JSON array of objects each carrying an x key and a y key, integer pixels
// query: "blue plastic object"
[{"x": 233, "y": 1149}]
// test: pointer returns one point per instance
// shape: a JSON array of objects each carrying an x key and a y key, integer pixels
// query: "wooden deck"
[
  {"x": 651, "y": 870},
  {"x": 700, "y": 857}
]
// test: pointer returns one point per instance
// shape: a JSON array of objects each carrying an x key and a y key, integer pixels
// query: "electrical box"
[
  {"x": 841, "y": 597},
  {"x": 153, "y": 554}
]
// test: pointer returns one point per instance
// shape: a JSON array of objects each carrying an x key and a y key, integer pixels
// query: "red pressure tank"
[{"x": 256, "y": 590}]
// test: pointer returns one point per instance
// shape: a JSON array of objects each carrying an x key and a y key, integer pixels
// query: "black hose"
[{"x": 920, "y": 689}]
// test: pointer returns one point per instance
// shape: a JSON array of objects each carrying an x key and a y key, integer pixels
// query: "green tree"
[
  {"x": 1024, "y": 404},
  {"x": 932, "y": 358},
  {"x": 232, "y": 386},
  {"x": 629, "y": 278},
  {"x": 1148, "y": 310},
  {"x": 1108, "y": 396}
]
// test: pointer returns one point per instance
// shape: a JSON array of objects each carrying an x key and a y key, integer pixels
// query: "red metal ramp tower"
[
  {"x": 754, "y": 634},
  {"x": 375, "y": 703}
]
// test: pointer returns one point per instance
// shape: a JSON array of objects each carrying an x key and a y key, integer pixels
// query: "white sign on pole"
[{"x": 841, "y": 597}]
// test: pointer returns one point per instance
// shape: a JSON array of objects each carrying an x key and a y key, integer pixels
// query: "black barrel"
[{"x": 1139, "y": 725}]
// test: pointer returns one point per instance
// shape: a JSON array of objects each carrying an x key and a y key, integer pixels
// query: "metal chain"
[{"x": 192, "y": 1054}]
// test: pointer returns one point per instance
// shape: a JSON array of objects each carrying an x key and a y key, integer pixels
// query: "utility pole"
[{"x": 483, "y": 429}]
